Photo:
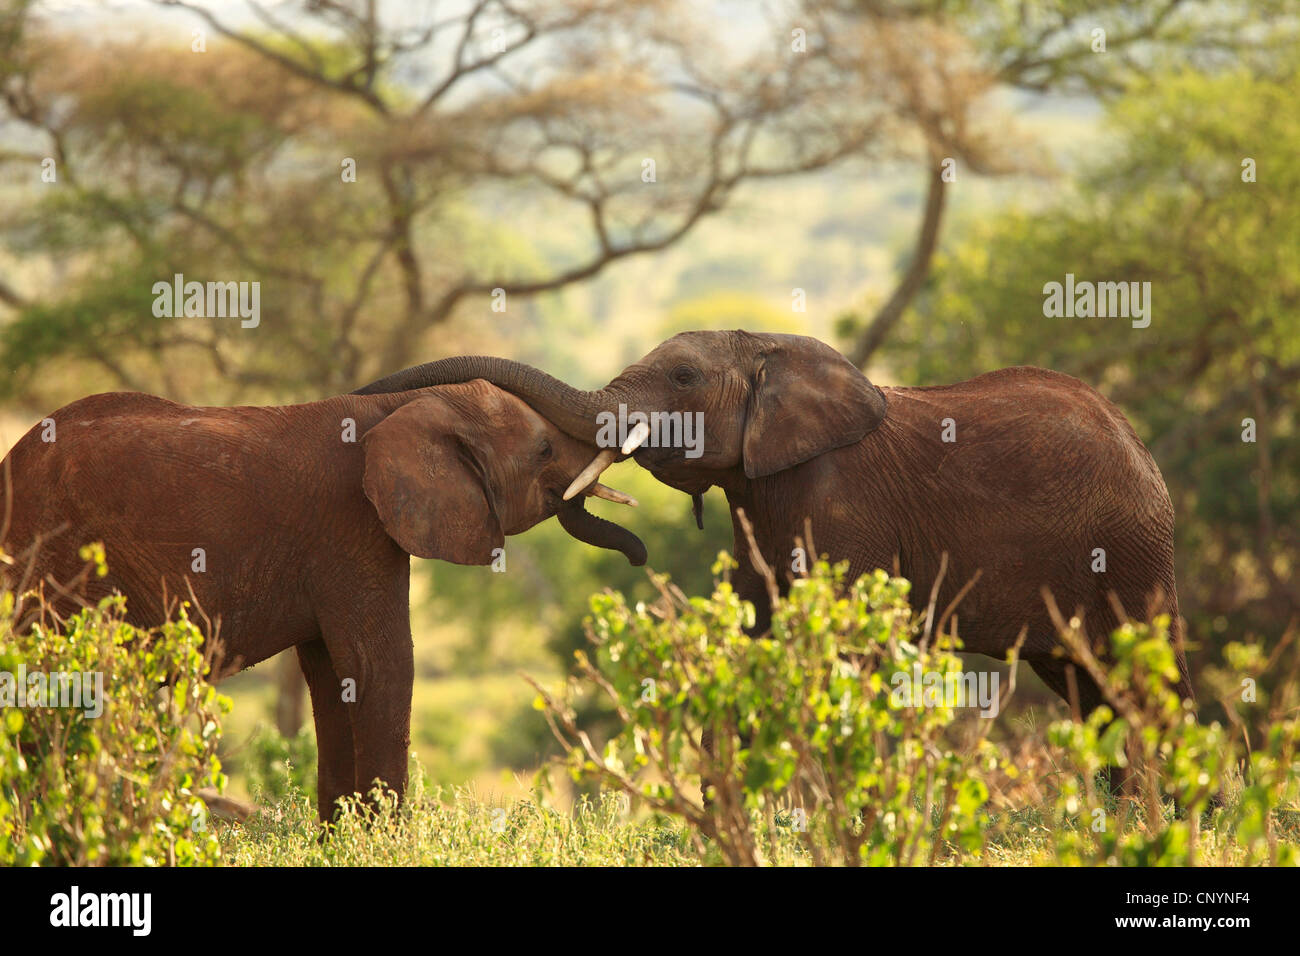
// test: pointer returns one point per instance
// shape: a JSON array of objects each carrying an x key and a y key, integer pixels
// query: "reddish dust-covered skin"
[
  {"x": 291, "y": 527},
  {"x": 1026, "y": 476}
]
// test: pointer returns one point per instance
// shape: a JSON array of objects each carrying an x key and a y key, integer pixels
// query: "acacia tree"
[
  {"x": 227, "y": 162},
  {"x": 352, "y": 159},
  {"x": 1065, "y": 47}
]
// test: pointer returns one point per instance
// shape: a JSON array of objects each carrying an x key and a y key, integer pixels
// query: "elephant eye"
[
  {"x": 546, "y": 452},
  {"x": 685, "y": 376}
]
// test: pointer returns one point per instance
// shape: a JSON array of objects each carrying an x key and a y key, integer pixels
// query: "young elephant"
[
  {"x": 292, "y": 526},
  {"x": 1024, "y": 476}
]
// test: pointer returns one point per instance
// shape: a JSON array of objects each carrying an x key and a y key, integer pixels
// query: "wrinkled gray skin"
[{"x": 1042, "y": 472}]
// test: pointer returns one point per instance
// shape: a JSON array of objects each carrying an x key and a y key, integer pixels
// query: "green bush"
[
  {"x": 276, "y": 766},
  {"x": 1181, "y": 772},
  {"x": 119, "y": 787},
  {"x": 813, "y": 751},
  {"x": 807, "y": 736}
]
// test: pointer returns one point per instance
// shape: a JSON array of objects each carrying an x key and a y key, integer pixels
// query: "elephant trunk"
[
  {"x": 587, "y": 527},
  {"x": 570, "y": 409}
]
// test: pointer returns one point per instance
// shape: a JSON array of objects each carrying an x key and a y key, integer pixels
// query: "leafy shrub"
[
  {"x": 1148, "y": 732},
  {"x": 806, "y": 734},
  {"x": 277, "y": 766},
  {"x": 120, "y": 787},
  {"x": 810, "y": 744}
]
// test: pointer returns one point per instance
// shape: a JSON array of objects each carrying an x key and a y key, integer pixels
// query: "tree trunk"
[{"x": 291, "y": 692}]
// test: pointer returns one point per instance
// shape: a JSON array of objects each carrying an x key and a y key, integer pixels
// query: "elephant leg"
[
  {"x": 335, "y": 767},
  {"x": 1054, "y": 673},
  {"x": 371, "y": 646},
  {"x": 751, "y": 587}
]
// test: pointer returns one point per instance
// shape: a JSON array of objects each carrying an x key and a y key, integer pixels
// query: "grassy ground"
[{"x": 461, "y": 828}]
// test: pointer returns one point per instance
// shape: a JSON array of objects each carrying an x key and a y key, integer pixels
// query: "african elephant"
[
  {"x": 291, "y": 527},
  {"x": 1024, "y": 475}
]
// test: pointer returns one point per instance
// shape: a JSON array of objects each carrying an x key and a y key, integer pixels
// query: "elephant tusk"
[
  {"x": 611, "y": 494},
  {"x": 636, "y": 438},
  {"x": 592, "y": 471}
]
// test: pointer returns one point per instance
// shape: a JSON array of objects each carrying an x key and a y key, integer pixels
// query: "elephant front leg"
[
  {"x": 335, "y": 767},
  {"x": 750, "y": 586},
  {"x": 376, "y": 667}
]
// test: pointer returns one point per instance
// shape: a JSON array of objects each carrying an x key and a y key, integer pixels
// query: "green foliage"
[
  {"x": 545, "y": 586},
  {"x": 803, "y": 722},
  {"x": 805, "y": 728},
  {"x": 1047, "y": 47},
  {"x": 119, "y": 788},
  {"x": 111, "y": 309},
  {"x": 276, "y": 766},
  {"x": 1149, "y": 732},
  {"x": 880, "y": 783}
]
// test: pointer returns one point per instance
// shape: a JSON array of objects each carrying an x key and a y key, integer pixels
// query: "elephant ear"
[
  {"x": 427, "y": 486},
  {"x": 806, "y": 399}
]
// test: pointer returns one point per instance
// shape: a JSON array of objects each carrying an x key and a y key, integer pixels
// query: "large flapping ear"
[
  {"x": 806, "y": 399},
  {"x": 429, "y": 490}
]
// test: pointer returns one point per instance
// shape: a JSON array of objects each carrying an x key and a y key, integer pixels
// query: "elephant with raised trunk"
[
  {"x": 292, "y": 527},
  {"x": 1024, "y": 476}
]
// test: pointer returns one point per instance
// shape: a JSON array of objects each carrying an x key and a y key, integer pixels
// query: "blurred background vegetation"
[{"x": 900, "y": 178}]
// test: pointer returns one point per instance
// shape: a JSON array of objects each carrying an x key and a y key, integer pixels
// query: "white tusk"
[
  {"x": 592, "y": 471},
  {"x": 611, "y": 494},
  {"x": 636, "y": 438}
]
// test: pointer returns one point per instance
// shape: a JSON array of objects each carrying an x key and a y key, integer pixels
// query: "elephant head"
[
  {"x": 752, "y": 403},
  {"x": 766, "y": 402},
  {"x": 452, "y": 472}
]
